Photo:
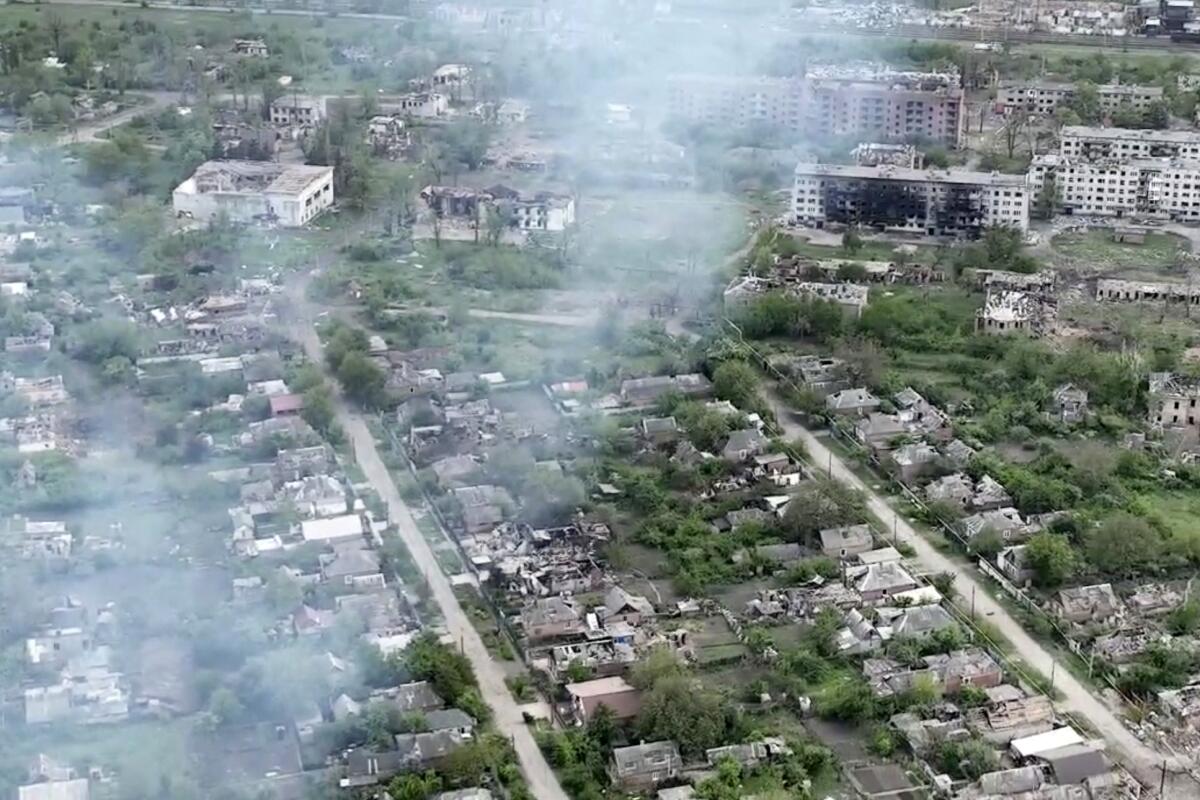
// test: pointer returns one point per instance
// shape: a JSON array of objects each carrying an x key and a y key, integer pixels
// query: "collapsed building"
[
  {"x": 932, "y": 202},
  {"x": 542, "y": 211},
  {"x": 1005, "y": 313}
]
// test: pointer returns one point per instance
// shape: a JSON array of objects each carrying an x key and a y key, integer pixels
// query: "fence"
[{"x": 502, "y": 623}]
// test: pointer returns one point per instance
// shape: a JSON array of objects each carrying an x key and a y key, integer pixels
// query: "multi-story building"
[
  {"x": 736, "y": 100},
  {"x": 1085, "y": 141},
  {"x": 248, "y": 191},
  {"x": 861, "y": 100},
  {"x": 1171, "y": 403},
  {"x": 933, "y": 202},
  {"x": 1044, "y": 97},
  {"x": 1163, "y": 188},
  {"x": 869, "y": 101},
  {"x": 297, "y": 109}
]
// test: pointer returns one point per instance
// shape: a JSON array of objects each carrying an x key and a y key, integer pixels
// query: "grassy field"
[
  {"x": 1181, "y": 513},
  {"x": 1095, "y": 251}
]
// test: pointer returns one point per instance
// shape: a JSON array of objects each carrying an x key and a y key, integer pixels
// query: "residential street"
[
  {"x": 1077, "y": 698},
  {"x": 509, "y": 721}
]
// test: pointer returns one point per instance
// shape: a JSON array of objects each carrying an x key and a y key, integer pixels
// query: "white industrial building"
[
  {"x": 933, "y": 202},
  {"x": 255, "y": 191}
]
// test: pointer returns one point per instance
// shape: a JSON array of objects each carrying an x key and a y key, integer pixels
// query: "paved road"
[
  {"x": 1144, "y": 762},
  {"x": 508, "y": 718}
]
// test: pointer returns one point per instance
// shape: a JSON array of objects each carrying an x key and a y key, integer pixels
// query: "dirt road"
[
  {"x": 92, "y": 131},
  {"x": 1141, "y": 760},
  {"x": 508, "y": 718}
]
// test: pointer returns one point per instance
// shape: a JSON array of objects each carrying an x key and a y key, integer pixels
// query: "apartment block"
[
  {"x": 932, "y": 202},
  {"x": 865, "y": 100},
  {"x": 1089, "y": 142},
  {"x": 1164, "y": 188},
  {"x": 858, "y": 100},
  {"x": 1044, "y": 97},
  {"x": 736, "y": 100}
]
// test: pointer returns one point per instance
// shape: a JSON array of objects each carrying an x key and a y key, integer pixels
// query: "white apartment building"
[
  {"x": 289, "y": 195},
  {"x": 1044, "y": 97},
  {"x": 1163, "y": 188},
  {"x": 1088, "y": 142},
  {"x": 932, "y": 202}
]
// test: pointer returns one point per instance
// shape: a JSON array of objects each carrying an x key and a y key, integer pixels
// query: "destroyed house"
[{"x": 640, "y": 392}]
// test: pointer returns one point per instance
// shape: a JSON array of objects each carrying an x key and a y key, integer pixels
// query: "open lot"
[{"x": 1095, "y": 251}]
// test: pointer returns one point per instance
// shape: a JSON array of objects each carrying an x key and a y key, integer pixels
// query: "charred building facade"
[
  {"x": 1089, "y": 142},
  {"x": 932, "y": 202}
]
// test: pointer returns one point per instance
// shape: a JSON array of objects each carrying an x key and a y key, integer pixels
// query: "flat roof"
[
  {"x": 1114, "y": 134},
  {"x": 77, "y": 789},
  {"x": 1045, "y": 742},
  {"x": 894, "y": 173},
  {"x": 343, "y": 527},
  {"x": 599, "y": 686}
]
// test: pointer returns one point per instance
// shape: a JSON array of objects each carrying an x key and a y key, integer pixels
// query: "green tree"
[
  {"x": 284, "y": 593},
  {"x": 851, "y": 271},
  {"x": 412, "y": 786},
  {"x": 361, "y": 380},
  {"x": 1051, "y": 558},
  {"x": 1045, "y": 205},
  {"x": 318, "y": 408},
  {"x": 1184, "y": 619},
  {"x": 1157, "y": 115},
  {"x": 967, "y": 758},
  {"x": 737, "y": 382},
  {"x": 224, "y": 707},
  {"x": 820, "y": 504},
  {"x": 851, "y": 240},
  {"x": 1086, "y": 102},
  {"x": 678, "y": 708},
  {"x": 1123, "y": 545},
  {"x": 96, "y": 342},
  {"x": 660, "y": 663},
  {"x": 449, "y": 671}
]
